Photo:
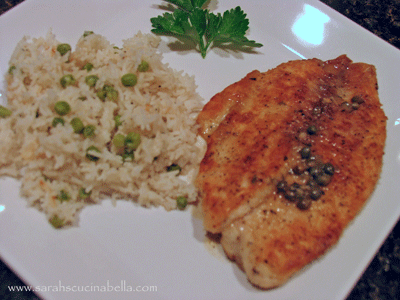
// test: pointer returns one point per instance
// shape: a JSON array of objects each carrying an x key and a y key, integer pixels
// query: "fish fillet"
[{"x": 292, "y": 156}]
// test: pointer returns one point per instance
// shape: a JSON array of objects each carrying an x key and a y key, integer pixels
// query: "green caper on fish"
[
  {"x": 300, "y": 194},
  {"x": 298, "y": 170},
  {"x": 312, "y": 130},
  {"x": 316, "y": 171},
  {"x": 323, "y": 179},
  {"x": 305, "y": 152},
  {"x": 329, "y": 169},
  {"x": 292, "y": 193},
  {"x": 281, "y": 186},
  {"x": 304, "y": 204},
  {"x": 315, "y": 193},
  {"x": 312, "y": 161}
]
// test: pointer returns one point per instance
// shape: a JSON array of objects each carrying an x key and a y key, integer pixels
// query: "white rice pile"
[{"x": 56, "y": 174}]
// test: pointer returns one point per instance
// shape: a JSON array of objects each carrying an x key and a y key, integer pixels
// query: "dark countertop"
[{"x": 381, "y": 278}]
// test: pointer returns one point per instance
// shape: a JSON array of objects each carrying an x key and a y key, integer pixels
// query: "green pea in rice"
[{"x": 162, "y": 107}]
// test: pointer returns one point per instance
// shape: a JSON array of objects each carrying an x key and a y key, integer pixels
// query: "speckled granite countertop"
[{"x": 381, "y": 279}]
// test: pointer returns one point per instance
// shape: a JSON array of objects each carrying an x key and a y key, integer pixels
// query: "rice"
[{"x": 51, "y": 161}]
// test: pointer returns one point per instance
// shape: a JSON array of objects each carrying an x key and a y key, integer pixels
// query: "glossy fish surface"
[{"x": 292, "y": 156}]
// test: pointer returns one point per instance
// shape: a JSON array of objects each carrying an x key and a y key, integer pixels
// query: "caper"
[
  {"x": 305, "y": 152},
  {"x": 298, "y": 170},
  {"x": 290, "y": 195},
  {"x": 315, "y": 171},
  {"x": 300, "y": 194},
  {"x": 312, "y": 130},
  {"x": 312, "y": 161},
  {"x": 323, "y": 179},
  {"x": 315, "y": 193},
  {"x": 281, "y": 186},
  {"x": 304, "y": 204},
  {"x": 312, "y": 184},
  {"x": 329, "y": 169},
  {"x": 295, "y": 185}
]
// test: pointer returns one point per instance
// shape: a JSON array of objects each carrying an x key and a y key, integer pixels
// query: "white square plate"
[{"x": 129, "y": 246}]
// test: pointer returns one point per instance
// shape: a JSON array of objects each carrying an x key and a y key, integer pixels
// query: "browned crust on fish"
[{"x": 255, "y": 129}]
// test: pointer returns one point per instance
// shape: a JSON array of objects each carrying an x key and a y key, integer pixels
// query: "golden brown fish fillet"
[{"x": 293, "y": 154}]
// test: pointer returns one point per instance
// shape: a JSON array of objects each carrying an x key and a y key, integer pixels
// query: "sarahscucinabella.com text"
[{"x": 121, "y": 286}]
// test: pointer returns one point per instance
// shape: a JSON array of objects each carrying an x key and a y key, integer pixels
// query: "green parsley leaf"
[
  {"x": 170, "y": 23},
  {"x": 187, "y": 5},
  {"x": 190, "y": 22},
  {"x": 233, "y": 24}
]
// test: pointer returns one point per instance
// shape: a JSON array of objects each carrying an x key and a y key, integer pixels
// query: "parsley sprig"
[{"x": 190, "y": 22}]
